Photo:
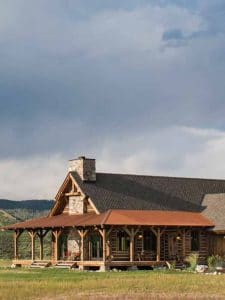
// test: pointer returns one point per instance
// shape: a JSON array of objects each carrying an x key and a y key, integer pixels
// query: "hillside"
[
  {"x": 26, "y": 204},
  {"x": 26, "y": 209},
  {"x": 6, "y": 218},
  {"x": 16, "y": 211}
]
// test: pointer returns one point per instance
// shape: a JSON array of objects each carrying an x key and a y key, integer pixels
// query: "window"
[
  {"x": 149, "y": 241},
  {"x": 195, "y": 242},
  {"x": 123, "y": 241}
]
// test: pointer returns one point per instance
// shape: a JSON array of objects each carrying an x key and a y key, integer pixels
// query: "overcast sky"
[{"x": 138, "y": 85}]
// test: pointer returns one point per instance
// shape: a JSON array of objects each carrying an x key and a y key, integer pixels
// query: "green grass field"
[{"x": 24, "y": 283}]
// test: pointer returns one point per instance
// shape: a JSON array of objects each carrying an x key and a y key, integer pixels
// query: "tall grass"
[{"x": 63, "y": 284}]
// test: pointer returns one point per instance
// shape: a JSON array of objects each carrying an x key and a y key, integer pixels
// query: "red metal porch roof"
[{"x": 118, "y": 217}]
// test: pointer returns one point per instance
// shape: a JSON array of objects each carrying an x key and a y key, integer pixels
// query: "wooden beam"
[
  {"x": 56, "y": 247},
  {"x": 183, "y": 243},
  {"x": 132, "y": 244},
  {"x": 41, "y": 238},
  {"x": 44, "y": 233},
  {"x": 56, "y": 234},
  {"x": 154, "y": 231},
  {"x": 127, "y": 230},
  {"x": 108, "y": 232},
  {"x": 82, "y": 245},
  {"x": 136, "y": 231},
  {"x": 82, "y": 234},
  {"x": 17, "y": 234},
  {"x": 53, "y": 247},
  {"x": 101, "y": 232},
  {"x": 93, "y": 206},
  {"x": 15, "y": 245},
  {"x": 72, "y": 194},
  {"x": 32, "y": 234},
  {"x": 104, "y": 245},
  {"x": 41, "y": 234},
  {"x": 158, "y": 245},
  {"x": 108, "y": 247}
]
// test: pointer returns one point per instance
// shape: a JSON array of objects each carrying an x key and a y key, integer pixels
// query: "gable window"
[
  {"x": 149, "y": 240},
  {"x": 123, "y": 241},
  {"x": 195, "y": 240}
]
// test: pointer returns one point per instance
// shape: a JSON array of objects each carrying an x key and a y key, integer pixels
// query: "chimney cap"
[{"x": 82, "y": 157}]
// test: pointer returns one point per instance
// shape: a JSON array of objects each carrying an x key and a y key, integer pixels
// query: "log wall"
[
  {"x": 217, "y": 244},
  {"x": 175, "y": 244}
]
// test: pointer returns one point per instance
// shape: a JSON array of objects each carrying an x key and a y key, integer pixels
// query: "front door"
[{"x": 95, "y": 247}]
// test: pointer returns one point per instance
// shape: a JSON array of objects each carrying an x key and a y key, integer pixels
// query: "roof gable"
[{"x": 69, "y": 187}]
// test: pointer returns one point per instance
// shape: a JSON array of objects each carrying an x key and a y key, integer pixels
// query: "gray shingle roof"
[
  {"x": 121, "y": 191},
  {"x": 214, "y": 205}
]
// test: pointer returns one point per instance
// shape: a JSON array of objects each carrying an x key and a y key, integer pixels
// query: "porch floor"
[{"x": 95, "y": 263}]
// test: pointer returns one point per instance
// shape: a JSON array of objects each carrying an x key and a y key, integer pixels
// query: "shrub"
[
  {"x": 192, "y": 259},
  {"x": 215, "y": 261}
]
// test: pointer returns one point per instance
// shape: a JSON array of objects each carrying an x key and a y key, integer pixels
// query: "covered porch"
[{"x": 129, "y": 239}]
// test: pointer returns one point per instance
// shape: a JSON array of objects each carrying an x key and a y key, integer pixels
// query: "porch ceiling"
[{"x": 118, "y": 217}]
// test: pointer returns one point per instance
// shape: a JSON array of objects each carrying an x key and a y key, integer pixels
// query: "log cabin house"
[{"x": 102, "y": 220}]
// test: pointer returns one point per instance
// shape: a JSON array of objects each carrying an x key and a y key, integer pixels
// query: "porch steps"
[
  {"x": 40, "y": 264},
  {"x": 65, "y": 264}
]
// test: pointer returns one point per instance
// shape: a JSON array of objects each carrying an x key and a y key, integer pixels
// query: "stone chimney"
[{"x": 85, "y": 167}]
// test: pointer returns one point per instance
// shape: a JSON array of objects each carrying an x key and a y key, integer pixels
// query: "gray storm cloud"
[{"x": 122, "y": 81}]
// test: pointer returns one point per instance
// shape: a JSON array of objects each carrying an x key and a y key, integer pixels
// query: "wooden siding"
[
  {"x": 217, "y": 244},
  {"x": 181, "y": 251}
]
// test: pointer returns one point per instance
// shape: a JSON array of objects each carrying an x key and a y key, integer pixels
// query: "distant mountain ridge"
[
  {"x": 26, "y": 204},
  {"x": 12, "y": 211}
]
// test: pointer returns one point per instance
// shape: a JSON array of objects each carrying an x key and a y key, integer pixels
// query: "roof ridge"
[
  {"x": 161, "y": 176},
  {"x": 108, "y": 213}
]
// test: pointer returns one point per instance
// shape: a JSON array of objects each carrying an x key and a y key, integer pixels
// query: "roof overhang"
[{"x": 118, "y": 217}]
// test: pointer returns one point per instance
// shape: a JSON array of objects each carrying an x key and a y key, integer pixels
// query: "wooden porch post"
[
  {"x": 104, "y": 245},
  {"x": 15, "y": 245},
  {"x": 56, "y": 234},
  {"x": 16, "y": 237},
  {"x": 82, "y": 246},
  {"x": 132, "y": 233},
  {"x": 41, "y": 245},
  {"x": 132, "y": 245},
  {"x": 103, "y": 234},
  {"x": 158, "y": 245},
  {"x": 32, "y": 234},
  {"x": 183, "y": 242},
  {"x": 108, "y": 247},
  {"x": 56, "y": 246},
  {"x": 41, "y": 234},
  {"x": 53, "y": 246},
  {"x": 82, "y": 234}
]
